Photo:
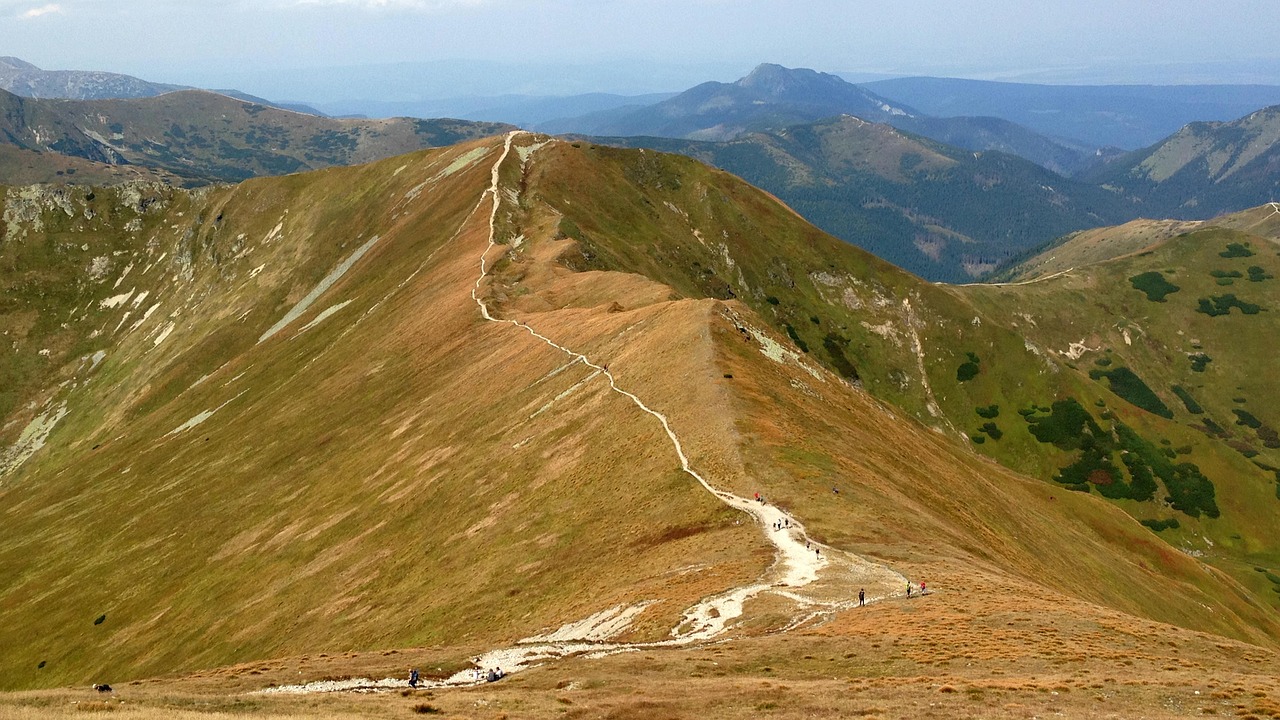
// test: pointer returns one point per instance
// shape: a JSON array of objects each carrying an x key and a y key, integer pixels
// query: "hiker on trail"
[
  {"x": 862, "y": 597},
  {"x": 817, "y": 552},
  {"x": 788, "y": 521},
  {"x": 413, "y": 678},
  {"x": 908, "y": 588},
  {"x": 757, "y": 497},
  {"x": 492, "y": 676},
  {"x": 923, "y": 588}
]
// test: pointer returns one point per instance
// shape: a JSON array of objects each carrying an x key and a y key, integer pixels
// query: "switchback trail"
[{"x": 799, "y": 563}]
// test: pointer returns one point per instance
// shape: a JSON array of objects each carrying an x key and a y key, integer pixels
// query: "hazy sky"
[{"x": 650, "y": 45}]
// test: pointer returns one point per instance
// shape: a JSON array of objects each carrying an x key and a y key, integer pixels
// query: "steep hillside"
[
  {"x": 1175, "y": 338},
  {"x": 203, "y": 136},
  {"x": 22, "y": 167},
  {"x": 476, "y": 394},
  {"x": 1203, "y": 170},
  {"x": 940, "y": 212}
]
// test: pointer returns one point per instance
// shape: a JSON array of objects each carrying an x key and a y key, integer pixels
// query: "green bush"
[
  {"x": 1236, "y": 250},
  {"x": 1190, "y": 491},
  {"x": 1226, "y": 273},
  {"x": 989, "y": 412},
  {"x": 1217, "y": 305},
  {"x": 1066, "y": 427},
  {"x": 1192, "y": 406},
  {"x": 791, "y": 333},
  {"x": 835, "y": 346},
  {"x": 1257, "y": 274},
  {"x": 968, "y": 370},
  {"x": 992, "y": 430},
  {"x": 1244, "y": 417},
  {"x": 978, "y": 439},
  {"x": 101, "y": 619},
  {"x": 1199, "y": 361},
  {"x": 1130, "y": 387},
  {"x": 1154, "y": 285},
  {"x": 1158, "y": 525}
]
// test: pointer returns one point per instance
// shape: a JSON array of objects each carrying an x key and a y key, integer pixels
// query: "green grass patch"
[
  {"x": 969, "y": 369},
  {"x": 1217, "y": 305},
  {"x": 1154, "y": 285},
  {"x": 1125, "y": 383},
  {"x": 1192, "y": 406}
]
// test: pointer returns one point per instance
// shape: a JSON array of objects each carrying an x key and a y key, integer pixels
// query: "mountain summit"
[{"x": 771, "y": 96}]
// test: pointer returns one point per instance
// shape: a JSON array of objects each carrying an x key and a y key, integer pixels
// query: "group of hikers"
[
  {"x": 924, "y": 590},
  {"x": 477, "y": 674}
]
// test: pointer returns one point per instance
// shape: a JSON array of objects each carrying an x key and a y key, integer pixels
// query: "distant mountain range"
[
  {"x": 1204, "y": 169},
  {"x": 1123, "y": 116},
  {"x": 22, "y": 78},
  {"x": 204, "y": 136},
  {"x": 772, "y": 97}
]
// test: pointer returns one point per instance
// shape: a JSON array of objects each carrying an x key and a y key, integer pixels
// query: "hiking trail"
[{"x": 799, "y": 562}]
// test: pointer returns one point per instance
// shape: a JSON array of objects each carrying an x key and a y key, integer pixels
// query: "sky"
[{"x": 303, "y": 49}]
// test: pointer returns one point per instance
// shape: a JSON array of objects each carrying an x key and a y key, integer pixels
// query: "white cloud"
[{"x": 35, "y": 12}]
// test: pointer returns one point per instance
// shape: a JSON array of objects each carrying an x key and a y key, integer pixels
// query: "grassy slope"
[
  {"x": 351, "y": 476},
  {"x": 821, "y": 454},
  {"x": 941, "y": 212},
  {"x": 1119, "y": 326},
  {"x": 19, "y": 166},
  {"x": 400, "y": 514}
]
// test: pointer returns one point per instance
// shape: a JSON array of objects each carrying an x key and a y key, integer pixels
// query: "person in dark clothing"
[
  {"x": 413, "y": 678},
  {"x": 862, "y": 597}
]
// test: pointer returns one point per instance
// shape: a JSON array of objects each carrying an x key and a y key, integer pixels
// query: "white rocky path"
[{"x": 799, "y": 561}]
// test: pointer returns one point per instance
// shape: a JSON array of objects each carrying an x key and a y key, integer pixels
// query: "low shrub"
[
  {"x": 1236, "y": 250},
  {"x": 1199, "y": 361},
  {"x": 1244, "y": 417},
  {"x": 1217, "y": 305},
  {"x": 992, "y": 430},
  {"x": 1125, "y": 383},
  {"x": 1154, "y": 285},
  {"x": 968, "y": 370},
  {"x": 1192, "y": 406},
  {"x": 989, "y": 412},
  {"x": 1158, "y": 525},
  {"x": 1257, "y": 274}
]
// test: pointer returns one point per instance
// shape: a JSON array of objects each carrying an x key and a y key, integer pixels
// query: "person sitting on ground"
[{"x": 923, "y": 588}]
